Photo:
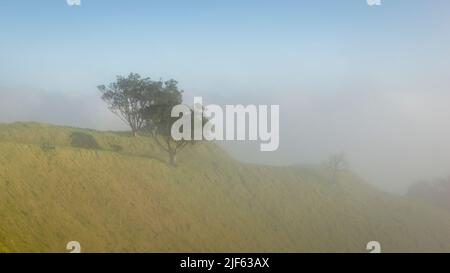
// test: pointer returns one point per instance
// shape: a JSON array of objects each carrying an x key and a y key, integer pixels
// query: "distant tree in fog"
[{"x": 336, "y": 164}]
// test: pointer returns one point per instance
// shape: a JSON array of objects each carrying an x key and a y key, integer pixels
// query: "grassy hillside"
[{"x": 118, "y": 194}]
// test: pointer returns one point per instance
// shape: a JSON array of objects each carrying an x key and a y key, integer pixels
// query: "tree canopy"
[{"x": 127, "y": 97}]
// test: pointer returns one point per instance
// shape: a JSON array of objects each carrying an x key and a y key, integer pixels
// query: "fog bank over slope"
[
  {"x": 391, "y": 138},
  {"x": 62, "y": 108}
]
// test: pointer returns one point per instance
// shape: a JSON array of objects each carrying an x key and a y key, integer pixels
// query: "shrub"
[{"x": 83, "y": 140}]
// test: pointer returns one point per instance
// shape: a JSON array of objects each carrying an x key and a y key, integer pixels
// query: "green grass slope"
[{"x": 122, "y": 196}]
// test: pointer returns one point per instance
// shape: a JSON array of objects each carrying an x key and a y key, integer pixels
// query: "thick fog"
[
  {"x": 391, "y": 139},
  {"x": 69, "y": 109}
]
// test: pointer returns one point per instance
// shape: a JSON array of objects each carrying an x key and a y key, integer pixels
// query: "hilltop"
[{"x": 113, "y": 192}]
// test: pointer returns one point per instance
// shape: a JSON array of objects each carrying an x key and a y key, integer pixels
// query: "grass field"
[{"x": 117, "y": 193}]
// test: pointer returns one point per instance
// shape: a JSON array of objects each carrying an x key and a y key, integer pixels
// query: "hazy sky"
[{"x": 369, "y": 81}]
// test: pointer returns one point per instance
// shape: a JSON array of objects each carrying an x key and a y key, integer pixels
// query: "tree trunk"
[
  {"x": 135, "y": 133},
  {"x": 173, "y": 158}
]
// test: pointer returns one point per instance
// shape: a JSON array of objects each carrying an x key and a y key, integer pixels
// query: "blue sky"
[{"x": 213, "y": 46}]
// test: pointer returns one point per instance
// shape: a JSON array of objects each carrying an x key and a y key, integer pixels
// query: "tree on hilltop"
[
  {"x": 127, "y": 97},
  {"x": 159, "y": 120}
]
